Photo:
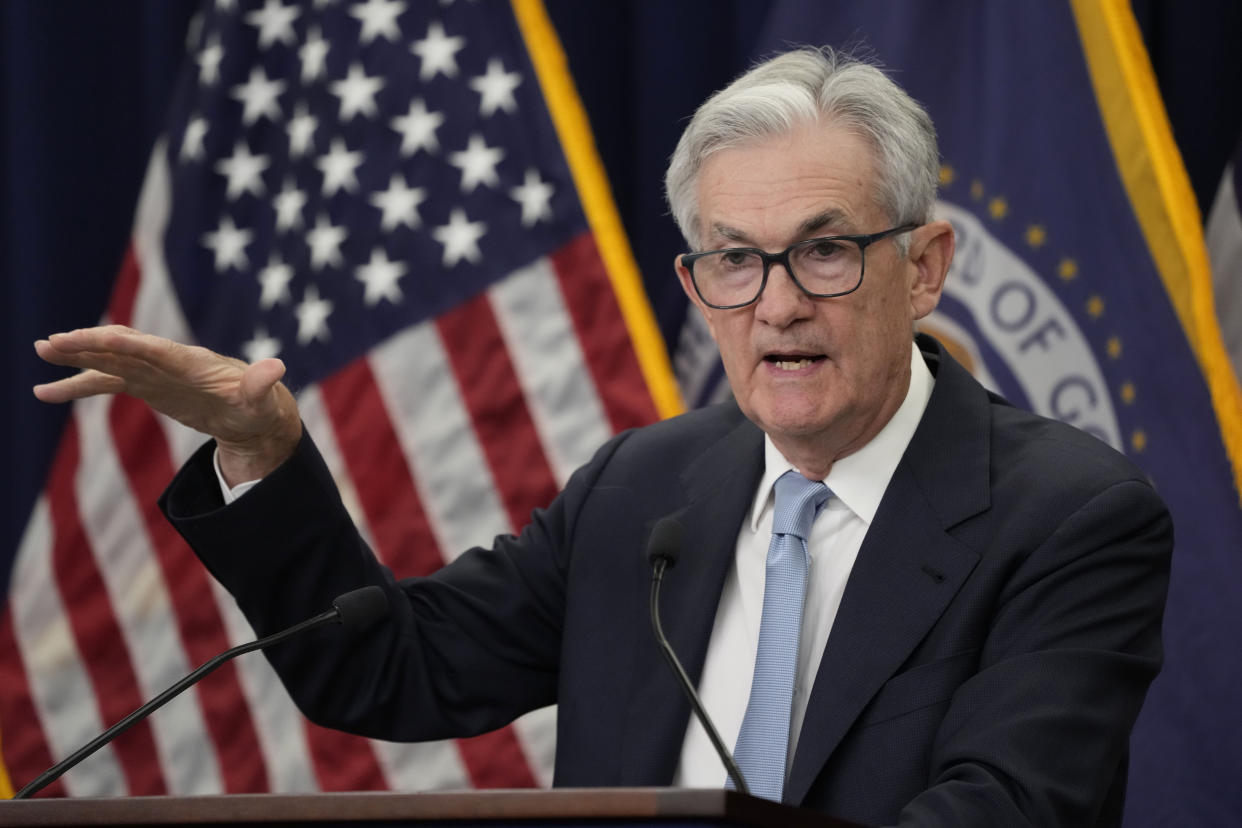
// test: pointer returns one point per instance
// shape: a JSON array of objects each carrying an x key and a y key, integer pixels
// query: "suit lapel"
[
  {"x": 719, "y": 487},
  {"x": 908, "y": 569}
]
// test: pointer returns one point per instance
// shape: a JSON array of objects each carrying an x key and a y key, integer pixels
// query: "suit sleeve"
[
  {"x": 1037, "y": 736},
  {"x": 467, "y": 649}
]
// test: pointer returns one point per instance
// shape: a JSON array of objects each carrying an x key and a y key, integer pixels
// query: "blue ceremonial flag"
[{"x": 1081, "y": 290}]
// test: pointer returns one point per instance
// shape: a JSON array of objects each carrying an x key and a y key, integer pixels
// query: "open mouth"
[{"x": 792, "y": 362}]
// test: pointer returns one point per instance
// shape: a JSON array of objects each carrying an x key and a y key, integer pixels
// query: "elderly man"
[{"x": 902, "y": 599}]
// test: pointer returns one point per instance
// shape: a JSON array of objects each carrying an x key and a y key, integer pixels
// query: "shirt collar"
[{"x": 859, "y": 479}]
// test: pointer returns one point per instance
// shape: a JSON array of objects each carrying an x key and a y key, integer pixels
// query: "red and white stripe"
[{"x": 442, "y": 437}]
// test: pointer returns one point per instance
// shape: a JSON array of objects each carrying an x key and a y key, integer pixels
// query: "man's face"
[{"x": 818, "y": 375}]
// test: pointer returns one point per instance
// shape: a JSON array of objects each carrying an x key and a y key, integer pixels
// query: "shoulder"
[
  {"x": 709, "y": 441},
  {"x": 683, "y": 436},
  {"x": 1022, "y": 440},
  {"x": 692, "y": 431},
  {"x": 1067, "y": 481},
  {"x": 1010, "y": 458}
]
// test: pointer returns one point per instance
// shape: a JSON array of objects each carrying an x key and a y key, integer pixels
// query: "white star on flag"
[
  {"x": 209, "y": 61},
  {"x": 259, "y": 96},
  {"x": 495, "y": 89},
  {"x": 312, "y": 313},
  {"x": 418, "y": 128},
  {"x": 314, "y": 55},
  {"x": 274, "y": 22},
  {"x": 229, "y": 244},
  {"x": 338, "y": 165},
  {"x": 192, "y": 147},
  {"x": 438, "y": 53},
  {"x": 261, "y": 347},
  {"x": 379, "y": 18},
  {"x": 380, "y": 278},
  {"x": 460, "y": 238},
  {"x": 289, "y": 203},
  {"x": 244, "y": 171},
  {"x": 477, "y": 163},
  {"x": 535, "y": 196},
  {"x": 325, "y": 243},
  {"x": 274, "y": 283},
  {"x": 357, "y": 93},
  {"x": 399, "y": 204},
  {"x": 301, "y": 129}
]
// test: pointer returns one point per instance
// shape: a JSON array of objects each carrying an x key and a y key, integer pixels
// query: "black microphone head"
[
  {"x": 665, "y": 541},
  {"x": 362, "y": 608}
]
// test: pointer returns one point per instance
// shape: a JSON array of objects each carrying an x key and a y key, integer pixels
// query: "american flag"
[{"x": 389, "y": 196}]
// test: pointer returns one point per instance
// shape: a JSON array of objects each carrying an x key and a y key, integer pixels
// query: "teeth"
[{"x": 792, "y": 364}]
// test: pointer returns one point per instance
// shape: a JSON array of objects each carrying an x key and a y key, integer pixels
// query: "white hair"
[{"x": 808, "y": 86}]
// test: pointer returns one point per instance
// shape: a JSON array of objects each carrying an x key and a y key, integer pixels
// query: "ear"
[
  {"x": 931, "y": 250},
  {"x": 687, "y": 285}
]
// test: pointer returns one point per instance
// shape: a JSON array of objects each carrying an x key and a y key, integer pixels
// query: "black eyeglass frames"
[{"x": 822, "y": 267}]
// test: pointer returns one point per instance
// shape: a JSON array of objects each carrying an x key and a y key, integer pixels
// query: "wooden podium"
[{"x": 564, "y": 807}]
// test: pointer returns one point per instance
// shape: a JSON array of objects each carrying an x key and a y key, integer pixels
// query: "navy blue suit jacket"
[{"x": 993, "y": 647}]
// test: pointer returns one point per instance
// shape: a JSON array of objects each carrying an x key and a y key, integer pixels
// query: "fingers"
[
  {"x": 85, "y": 384},
  {"x": 48, "y": 353},
  {"x": 101, "y": 338},
  {"x": 111, "y": 339},
  {"x": 101, "y": 370},
  {"x": 138, "y": 357},
  {"x": 101, "y": 361}
]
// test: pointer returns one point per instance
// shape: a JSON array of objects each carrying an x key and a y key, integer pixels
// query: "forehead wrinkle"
[{"x": 831, "y": 218}]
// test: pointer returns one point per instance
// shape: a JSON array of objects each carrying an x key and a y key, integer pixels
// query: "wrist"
[{"x": 258, "y": 456}]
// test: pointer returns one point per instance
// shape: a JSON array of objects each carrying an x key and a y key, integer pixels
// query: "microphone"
[
  {"x": 663, "y": 547},
  {"x": 356, "y": 611}
]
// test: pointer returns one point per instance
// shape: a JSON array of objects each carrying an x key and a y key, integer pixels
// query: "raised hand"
[{"x": 245, "y": 407}]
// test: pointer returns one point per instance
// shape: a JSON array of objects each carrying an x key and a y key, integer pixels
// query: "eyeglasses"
[{"x": 823, "y": 268}]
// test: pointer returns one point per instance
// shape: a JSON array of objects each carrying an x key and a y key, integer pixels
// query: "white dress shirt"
[
  {"x": 230, "y": 493},
  {"x": 857, "y": 482}
]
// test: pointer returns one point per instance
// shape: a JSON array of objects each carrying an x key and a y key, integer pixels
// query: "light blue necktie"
[{"x": 763, "y": 742}]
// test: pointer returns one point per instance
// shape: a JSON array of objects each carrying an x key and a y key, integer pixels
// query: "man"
[{"x": 977, "y": 592}]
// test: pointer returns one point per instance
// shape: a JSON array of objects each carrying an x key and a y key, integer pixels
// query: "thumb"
[{"x": 258, "y": 379}]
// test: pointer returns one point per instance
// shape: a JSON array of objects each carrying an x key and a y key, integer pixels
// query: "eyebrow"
[
  {"x": 728, "y": 233},
  {"x": 828, "y": 218}
]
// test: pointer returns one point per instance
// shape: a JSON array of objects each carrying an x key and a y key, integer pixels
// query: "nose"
[{"x": 782, "y": 301}]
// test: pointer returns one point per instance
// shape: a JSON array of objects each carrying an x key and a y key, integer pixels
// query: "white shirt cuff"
[{"x": 230, "y": 494}]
